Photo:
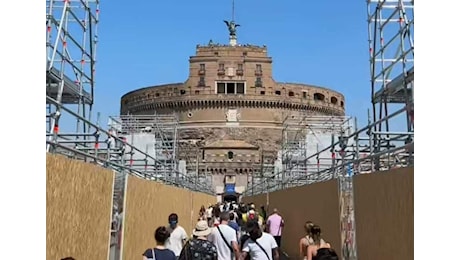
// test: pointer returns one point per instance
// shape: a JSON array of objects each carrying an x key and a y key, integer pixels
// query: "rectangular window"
[
  {"x": 258, "y": 71},
  {"x": 230, "y": 88},
  {"x": 239, "y": 88},
  {"x": 304, "y": 94},
  {"x": 258, "y": 82},
  {"x": 240, "y": 71},
  {"x": 202, "y": 66},
  {"x": 202, "y": 83},
  {"x": 220, "y": 88},
  {"x": 221, "y": 70}
]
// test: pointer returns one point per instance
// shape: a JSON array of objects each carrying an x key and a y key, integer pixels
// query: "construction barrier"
[
  {"x": 148, "y": 205},
  {"x": 78, "y": 209},
  {"x": 383, "y": 209},
  {"x": 316, "y": 202},
  {"x": 80, "y": 195},
  {"x": 384, "y": 214}
]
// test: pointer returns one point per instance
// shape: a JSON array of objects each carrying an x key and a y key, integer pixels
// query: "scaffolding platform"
[
  {"x": 71, "y": 92},
  {"x": 394, "y": 92},
  {"x": 144, "y": 123}
]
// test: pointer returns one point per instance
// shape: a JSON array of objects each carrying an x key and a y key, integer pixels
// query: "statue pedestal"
[{"x": 232, "y": 40}]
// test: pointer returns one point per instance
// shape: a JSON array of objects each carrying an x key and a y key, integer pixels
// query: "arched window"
[
  {"x": 334, "y": 100},
  {"x": 230, "y": 155},
  {"x": 318, "y": 96}
]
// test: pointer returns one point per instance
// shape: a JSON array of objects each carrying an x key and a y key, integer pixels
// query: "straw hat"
[{"x": 201, "y": 229}]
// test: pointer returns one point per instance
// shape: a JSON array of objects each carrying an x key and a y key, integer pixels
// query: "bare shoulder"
[{"x": 303, "y": 241}]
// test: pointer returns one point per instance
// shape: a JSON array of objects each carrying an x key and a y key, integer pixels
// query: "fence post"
[{"x": 347, "y": 216}]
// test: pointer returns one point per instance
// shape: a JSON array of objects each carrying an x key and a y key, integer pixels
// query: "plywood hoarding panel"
[
  {"x": 317, "y": 202},
  {"x": 78, "y": 209},
  {"x": 384, "y": 214}
]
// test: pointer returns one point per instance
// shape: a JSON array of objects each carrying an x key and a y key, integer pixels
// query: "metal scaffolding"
[
  {"x": 305, "y": 135},
  {"x": 155, "y": 134},
  {"x": 349, "y": 153},
  {"x": 114, "y": 148},
  {"x": 391, "y": 49},
  {"x": 263, "y": 173},
  {"x": 71, "y": 40}
]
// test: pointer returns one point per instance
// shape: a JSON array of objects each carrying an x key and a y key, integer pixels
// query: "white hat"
[{"x": 201, "y": 229}]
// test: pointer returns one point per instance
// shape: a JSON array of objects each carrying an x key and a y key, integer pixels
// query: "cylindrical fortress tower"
[{"x": 231, "y": 102}]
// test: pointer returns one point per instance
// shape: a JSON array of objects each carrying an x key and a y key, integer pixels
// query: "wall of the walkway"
[
  {"x": 316, "y": 202},
  {"x": 384, "y": 215},
  {"x": 148, "y": 205},
  {"x": 78, "y": 209}
]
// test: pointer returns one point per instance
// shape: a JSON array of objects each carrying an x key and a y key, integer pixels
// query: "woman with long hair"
[
  {"x": 202, "y": 213},
  {"x": 319, "y": 246},
  {"x": 306, "y": 240}
]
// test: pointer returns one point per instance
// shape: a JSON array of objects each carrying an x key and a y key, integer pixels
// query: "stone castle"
[{"x": 231, "y": 111}]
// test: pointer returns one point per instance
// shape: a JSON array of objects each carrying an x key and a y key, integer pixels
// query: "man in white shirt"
[
  {"x": 224, "y": 238},
  {"x": 177, "y": 237},
  {"x": 260, "y": 245}
]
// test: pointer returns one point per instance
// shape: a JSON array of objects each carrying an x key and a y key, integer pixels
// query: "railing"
[{"x": 102, "y": 147}]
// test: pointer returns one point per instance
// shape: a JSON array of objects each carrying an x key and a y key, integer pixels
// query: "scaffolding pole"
[
  {"x": 71, "y": 40},
  {"x": 391, "y": 50}
]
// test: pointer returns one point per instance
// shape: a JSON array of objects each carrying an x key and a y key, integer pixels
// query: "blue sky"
[{"x": 147, "y": 43}]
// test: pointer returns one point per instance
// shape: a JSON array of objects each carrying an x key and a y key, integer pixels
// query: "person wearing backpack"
[
  {"x": 260, "y": 245},
  {"x": 199, "y": 247},
  {"x": 320, "y": 250}
]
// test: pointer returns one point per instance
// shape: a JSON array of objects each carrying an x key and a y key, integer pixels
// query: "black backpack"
[{"x": 326, "y": 254}]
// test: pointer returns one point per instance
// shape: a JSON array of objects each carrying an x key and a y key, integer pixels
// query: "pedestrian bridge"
[{"x": 366, "y": 217}]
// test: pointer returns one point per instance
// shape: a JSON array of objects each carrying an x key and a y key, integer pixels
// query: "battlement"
[
  {"x": 215, "y": 51},
  {"x": 218, "y": 46}
]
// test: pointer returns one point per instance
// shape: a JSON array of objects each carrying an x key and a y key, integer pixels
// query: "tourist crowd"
[{"x": 234, "y": 231}]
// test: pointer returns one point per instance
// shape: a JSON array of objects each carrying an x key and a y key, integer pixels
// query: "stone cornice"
[{"x": 221, "y": 101}]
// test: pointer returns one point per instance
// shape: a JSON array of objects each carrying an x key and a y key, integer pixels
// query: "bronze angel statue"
[{"x": 231, "y": 27}]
